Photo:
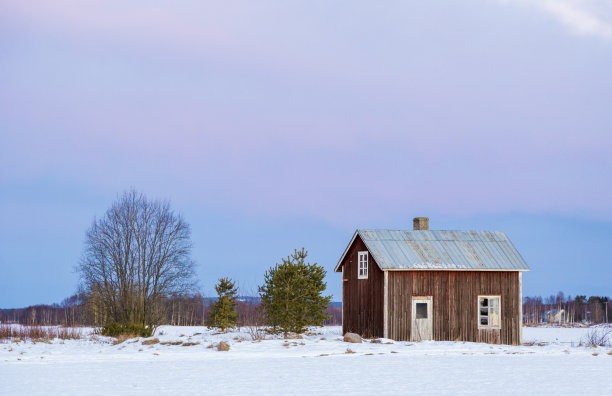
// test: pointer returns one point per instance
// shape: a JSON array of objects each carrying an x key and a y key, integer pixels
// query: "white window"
[
  {"x": 489, "y": 312},
  {"x": 363, "y": 265}
]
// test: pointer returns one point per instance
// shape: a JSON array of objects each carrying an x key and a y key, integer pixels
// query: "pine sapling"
[{"x": 223, "y": 314}]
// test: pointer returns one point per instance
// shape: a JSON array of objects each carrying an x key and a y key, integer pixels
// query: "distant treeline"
[
  {"x": 563, "y": 310},
  {"x": 193, "y": 311},
  {"x": 181, "y": 311}
]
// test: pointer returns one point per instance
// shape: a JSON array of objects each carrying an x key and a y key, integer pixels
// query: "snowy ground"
[{"x": 315, "y": 365}]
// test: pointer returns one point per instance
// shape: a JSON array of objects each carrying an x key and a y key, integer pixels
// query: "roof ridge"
[{"x": 394, "y": 229}]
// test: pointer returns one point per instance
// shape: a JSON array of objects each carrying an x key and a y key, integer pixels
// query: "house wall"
[
  {"x": 362, "y": 299},
  {"x": 455, "y": 299}
]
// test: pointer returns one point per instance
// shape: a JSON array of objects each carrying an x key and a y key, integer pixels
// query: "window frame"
[
  {"x": 489, "y": 326},
  {"x": 360, "y": 254}
]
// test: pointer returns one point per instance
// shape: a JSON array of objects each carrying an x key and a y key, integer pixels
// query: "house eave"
[
  {"x": 459, "y": 269},
  {"x": 337, "y": 268}
]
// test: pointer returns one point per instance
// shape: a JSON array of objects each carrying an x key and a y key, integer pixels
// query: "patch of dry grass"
[
  {"x": 121, "y": 338},
  {"x": 349, "y": 350},
  {"x": 43, "y": 340},
  {"x": 17, "y": 333},
  {"x": 223, "y": 346},
  {"x": 533, "y": 343},
  {"x": 5, "y": 332},
  {"x": 190, "y": 343},
  {"x": 151, "y": 341},
  {"x": 69, "y": 333}
]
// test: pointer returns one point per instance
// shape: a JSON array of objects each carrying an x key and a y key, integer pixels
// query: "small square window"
[
  {"x": 421, "y": 310},
  {"x": 489, "y": 312}
]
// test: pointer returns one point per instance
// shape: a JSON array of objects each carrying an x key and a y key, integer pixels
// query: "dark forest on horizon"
[{"x": 193, "y": 310}]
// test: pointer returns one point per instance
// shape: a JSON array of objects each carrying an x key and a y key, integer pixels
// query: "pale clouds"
[{"x": 585, "y": 17}]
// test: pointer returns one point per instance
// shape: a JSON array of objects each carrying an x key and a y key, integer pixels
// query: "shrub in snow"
[
  {"x": 598, "y": 336},
  {"x": 257, "y": 333},
  {"x": 114, "y": 329},
  {"x": 292, "y": 295}
]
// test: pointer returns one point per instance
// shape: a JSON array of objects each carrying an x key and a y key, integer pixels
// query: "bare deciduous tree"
[{"x": 135, "y": 256}]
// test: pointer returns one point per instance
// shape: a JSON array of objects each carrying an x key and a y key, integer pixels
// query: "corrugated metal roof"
[{"x": 452, "y": 250}]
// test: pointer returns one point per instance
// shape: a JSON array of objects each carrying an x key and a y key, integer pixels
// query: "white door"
[{"x": 422, "y": 314}]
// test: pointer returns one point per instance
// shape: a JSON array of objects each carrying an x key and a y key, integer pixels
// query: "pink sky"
[{"x": 340, "y": 113}]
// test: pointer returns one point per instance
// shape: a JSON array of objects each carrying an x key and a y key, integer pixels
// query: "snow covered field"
[{"x": 318, "y": 364}]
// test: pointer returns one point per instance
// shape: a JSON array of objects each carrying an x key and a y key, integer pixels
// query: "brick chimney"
[{"x": 421, "y": 223}]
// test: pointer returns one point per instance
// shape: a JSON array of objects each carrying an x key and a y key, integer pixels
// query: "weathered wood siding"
[
  {"x": 455, "y": 300},
  {"x": 362, "y": 299}
]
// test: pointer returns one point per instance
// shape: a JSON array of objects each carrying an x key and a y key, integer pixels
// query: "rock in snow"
[{"x": 352, "y": 337}]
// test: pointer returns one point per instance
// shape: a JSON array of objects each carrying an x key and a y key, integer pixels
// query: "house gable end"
[
  {"x": 362, "y": 293},
  {"x": 356, "y": 237}
]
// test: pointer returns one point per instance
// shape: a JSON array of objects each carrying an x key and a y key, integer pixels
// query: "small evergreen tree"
[
  {"x": 292, "y": 295},
  {"x": 223, "y": 313}
]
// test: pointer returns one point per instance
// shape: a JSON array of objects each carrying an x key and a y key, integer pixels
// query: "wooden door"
[{"x": 422, "y": 318}]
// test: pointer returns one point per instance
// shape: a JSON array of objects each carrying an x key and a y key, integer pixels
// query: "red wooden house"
[{"x": 432, "y": 285}]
